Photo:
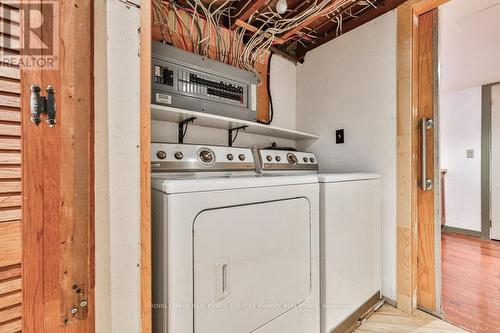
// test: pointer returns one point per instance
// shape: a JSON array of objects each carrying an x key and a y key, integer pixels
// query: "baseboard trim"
[
  {"x": 391, "y": 302},
  {"x": 354, "y": 320},
  {"x": 462, "y": 231}
]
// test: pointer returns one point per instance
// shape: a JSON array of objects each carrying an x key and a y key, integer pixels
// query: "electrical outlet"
[
  {"x": 470, "y": 153},
  {"x": 339, "y": 136}
]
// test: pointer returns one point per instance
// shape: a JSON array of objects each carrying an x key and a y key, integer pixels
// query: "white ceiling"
[{"x": 469, "y": 43}]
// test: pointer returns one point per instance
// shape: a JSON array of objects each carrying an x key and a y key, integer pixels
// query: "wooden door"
[
  {"x": 10, "y": 177},
  {"x": 58, "y": 206},
  {"x": 427, "y": 76}
]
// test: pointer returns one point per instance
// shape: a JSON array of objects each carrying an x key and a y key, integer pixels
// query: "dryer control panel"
[
  {"x": 285, "y": 160},
  {"x": 186, "y": 157}
]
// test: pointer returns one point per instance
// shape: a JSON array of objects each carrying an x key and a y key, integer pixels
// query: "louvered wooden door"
[{"x": 10, "y": 178}]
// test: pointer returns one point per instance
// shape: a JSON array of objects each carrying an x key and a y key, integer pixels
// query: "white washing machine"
[
  {"x": 233, "y": 252},
  {"x": 350, "y": 234}
]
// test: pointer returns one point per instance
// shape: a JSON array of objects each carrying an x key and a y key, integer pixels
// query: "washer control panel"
[
  {"x": 275, "y": 159},
  {"x": 187, "y": 157}
]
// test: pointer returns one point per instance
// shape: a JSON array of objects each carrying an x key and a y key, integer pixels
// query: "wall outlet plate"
[
  {"x": 339, "y": 136},
  {"x": 470, "y": 153}
]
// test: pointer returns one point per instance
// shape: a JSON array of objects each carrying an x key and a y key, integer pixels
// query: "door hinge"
[{"x": 43, "y": 105}]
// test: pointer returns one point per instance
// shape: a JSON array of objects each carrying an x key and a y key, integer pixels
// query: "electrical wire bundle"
[{"x": 197, "y": 26}]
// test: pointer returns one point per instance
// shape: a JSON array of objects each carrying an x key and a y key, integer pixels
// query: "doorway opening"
[{"x": 468, "y": 163}]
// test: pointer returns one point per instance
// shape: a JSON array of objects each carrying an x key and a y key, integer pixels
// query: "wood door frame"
[
  {"x": 486, "y": 157},
  {"x": 145, "y": 165},
  {"x": 407, "y": 150}
]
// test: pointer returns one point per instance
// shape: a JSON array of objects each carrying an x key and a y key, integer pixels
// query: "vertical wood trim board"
[
  {"x": 77, "y": 171},
  {"x": 10, "y": 182},
  {"x": 145, "y": 162},
  {"x": 407, "y": 140}
]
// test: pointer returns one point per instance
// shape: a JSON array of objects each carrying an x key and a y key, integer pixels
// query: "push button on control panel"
[
  {"x": 161, "y": 155},
  {"x": 178, "y": 155},
  {"x": 230, "y": 157},
  {"x": 269, "y": 158},
  {"x": 241, "y": 157}
]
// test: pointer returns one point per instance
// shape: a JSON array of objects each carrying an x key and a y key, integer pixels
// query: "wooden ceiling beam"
[
  {"x": 366, "y": 17},
  {"x": 253, "y": 29},
  {"x": 245, "y": 9}
]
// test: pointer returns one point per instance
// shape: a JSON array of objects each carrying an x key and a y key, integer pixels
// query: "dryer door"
[{"x": 251, "y": 264}]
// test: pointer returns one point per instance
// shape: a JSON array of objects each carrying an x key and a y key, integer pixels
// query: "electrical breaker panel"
[{"x": 185, "y": 80}]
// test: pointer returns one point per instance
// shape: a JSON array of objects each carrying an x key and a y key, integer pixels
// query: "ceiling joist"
[{"x": 245, "y": 9}]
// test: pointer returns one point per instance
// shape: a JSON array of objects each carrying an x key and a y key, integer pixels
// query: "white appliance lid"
[
  {"x": 345, "y": 177},
  {"x": 186, "y": 183}
]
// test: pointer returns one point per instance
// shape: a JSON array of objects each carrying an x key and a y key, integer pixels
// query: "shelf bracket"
[
  {"x": 183, "y": 128},
  {"x": 230, "y": 139}
]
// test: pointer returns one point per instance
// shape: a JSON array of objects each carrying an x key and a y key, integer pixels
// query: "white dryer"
[
  {"x": 233, "y": 252},
  {"x": 350, "y": 235}
]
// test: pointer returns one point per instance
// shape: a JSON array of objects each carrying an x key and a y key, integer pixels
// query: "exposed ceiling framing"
[
  {"x": 331, "y": 19},
  {"x": 322, "y": 28}
]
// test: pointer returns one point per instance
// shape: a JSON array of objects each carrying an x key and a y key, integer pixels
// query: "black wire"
[
  {"x": 271, "y": 108},
  {"x": 235, "y": 136},
  {"x": 185, "y": 130}
]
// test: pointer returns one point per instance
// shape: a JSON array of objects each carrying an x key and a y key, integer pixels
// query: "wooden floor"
[
  {"x": 471, "y": 283},
  {"x": 388, "y": 319}
]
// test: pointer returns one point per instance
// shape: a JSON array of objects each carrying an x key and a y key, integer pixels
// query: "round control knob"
[
  {"x": 178, "y": 155},
  {"x": 241, "y": 157},
  {"x": 206, "y": 156},
  {"x": 305, "y": 159},
  {"x": 269, "y": 158},
  {"x": 161, "y": 155},
  {"x": 230, "y": 157},
  {"x": 278, "y": 158},
  {"x": 292, "y": 159},
  {"x": 311, "y": 159}
]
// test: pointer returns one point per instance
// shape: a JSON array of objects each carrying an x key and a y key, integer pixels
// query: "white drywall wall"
[
  {"x": 460, "y": 130},
  {"x": 469, "y": 43},
  {"x": 117, "y": 167},
  {"x": 283, "y": 77},
  {"x": 350, "y": 83}
]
